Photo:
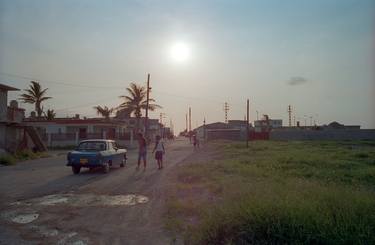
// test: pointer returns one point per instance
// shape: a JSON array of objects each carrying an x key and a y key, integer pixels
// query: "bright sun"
[{"x": 180, "y": 52}]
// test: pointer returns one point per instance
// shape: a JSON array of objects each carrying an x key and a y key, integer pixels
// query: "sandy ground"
[{"x": 42, "y": 202}]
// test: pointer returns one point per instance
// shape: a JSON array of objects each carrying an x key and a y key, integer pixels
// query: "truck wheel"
[
  {"x": 76, "y": 169},
  {"x": 106, "y": 167}
]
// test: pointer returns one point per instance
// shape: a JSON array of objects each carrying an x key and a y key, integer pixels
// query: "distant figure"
[
  {"x": 142, "y": 151},
  {"x": 195, "y": 141},
  {"x": 159, "y": 151}
]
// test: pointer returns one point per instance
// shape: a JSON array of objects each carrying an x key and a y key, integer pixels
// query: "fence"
[
  {"x": 334, "y": 134},
  {"x": 259, "y": 135}
]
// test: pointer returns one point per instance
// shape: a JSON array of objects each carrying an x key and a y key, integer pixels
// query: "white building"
[{"x": 267, "y": 124}]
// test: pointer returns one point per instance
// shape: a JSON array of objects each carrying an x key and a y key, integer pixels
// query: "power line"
[
  {"x": 60, "y": 82},
  {"x": 86, "y": 104},
  {"x": 63, "y": 83},
  {"x": 106, "y": 87}
]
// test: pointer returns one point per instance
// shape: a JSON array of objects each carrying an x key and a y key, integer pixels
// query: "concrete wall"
[
  {"x": 3, "y": 105},
  {"x": 223, "y": 134},
  {"x": 339, "y": 134},
  {"x": 2, "y": 136}
]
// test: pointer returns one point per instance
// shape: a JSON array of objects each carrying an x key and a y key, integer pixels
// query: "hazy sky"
[{"x": 316, "y": 55}]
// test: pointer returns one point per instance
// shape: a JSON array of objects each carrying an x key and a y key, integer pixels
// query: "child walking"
[{"x": 159, "y": 151}]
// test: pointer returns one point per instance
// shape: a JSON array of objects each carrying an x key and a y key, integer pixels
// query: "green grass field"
[{"x": 276, "y": 193}]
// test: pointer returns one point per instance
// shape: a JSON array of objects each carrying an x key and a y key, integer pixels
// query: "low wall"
[
  {"x": 338, "y": 134},
  {"x": 225, "y": 134}
]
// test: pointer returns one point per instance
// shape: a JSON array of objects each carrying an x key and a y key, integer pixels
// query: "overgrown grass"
[
  {"x": 22, "y": 155},
  {"x": 7, "y": 160},
  {"x": 277, "y": 193}
]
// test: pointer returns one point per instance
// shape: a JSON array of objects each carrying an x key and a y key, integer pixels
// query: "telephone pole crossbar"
[
  {"x": 226, "y": 109},
  {"x": 290, "y": 115}
]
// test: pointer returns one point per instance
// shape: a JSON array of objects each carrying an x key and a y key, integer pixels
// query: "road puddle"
[
  {"x": 84, "y": 200},
  {"x": 25, "y": 218},
  {"x": 20, "y": 217}
]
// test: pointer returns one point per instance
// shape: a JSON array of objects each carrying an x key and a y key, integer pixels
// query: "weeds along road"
[{"x": 42, "y": 202}]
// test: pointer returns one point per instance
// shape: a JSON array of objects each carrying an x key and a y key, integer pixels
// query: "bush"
[
  {"x": 7, "y": 160},
  {"x": 25, "y": 155}
]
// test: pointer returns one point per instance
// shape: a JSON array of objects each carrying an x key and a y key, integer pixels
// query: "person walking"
[
  {"x": 195, "y": 141},
  {"x": 159, "y": 151},
  {"x": 142, "y": 151}
]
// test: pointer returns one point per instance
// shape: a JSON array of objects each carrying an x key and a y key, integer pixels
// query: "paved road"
[{"x": 81, "y": 210}]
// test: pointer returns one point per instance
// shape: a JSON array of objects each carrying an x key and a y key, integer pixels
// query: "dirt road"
[{"x": 42, "y": 202}]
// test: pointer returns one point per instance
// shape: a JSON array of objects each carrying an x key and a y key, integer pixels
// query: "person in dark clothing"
[
  {"x": 195, "y": 141},
  {"x": 142, "y": 151}
]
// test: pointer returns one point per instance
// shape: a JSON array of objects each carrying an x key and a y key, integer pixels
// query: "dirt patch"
[
  {"x": 188, "y": 179},
  {"x": 190, "y": 191}
]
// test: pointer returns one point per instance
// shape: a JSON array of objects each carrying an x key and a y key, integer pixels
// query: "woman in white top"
[{"x": 159, "y": 151}]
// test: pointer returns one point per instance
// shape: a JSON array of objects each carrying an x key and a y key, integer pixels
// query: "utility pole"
[
  {"x": 257, "y": 115},
  {"x": 147, "y": 104},
  {"x": 186, "y": 121},
  {"x": 189, "y": 119},
  {"x": 161, "y": 118},
  {"x": 294, "y": 121},
  {"x": 290, "y": 115},
  {"x": 171, "y": 126},
  {"x": 204, "y": 129},
  {"x": 247, "y": 124},
  {"x": 226, "y": 109},
  {"x": 161, "y": 124}
]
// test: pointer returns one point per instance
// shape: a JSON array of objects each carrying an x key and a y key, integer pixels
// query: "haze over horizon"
[{"x": 317, "y": 56}]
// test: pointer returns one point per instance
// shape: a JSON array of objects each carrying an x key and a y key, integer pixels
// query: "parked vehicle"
[{"x": 96, "y": 153}]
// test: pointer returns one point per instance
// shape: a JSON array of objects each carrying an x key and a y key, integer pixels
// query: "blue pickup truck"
[{"x": 96, "y": 153}]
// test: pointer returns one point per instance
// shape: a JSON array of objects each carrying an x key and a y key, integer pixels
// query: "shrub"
[
  {"x": 25, "y": 155},
  {"x": 7, "y": 160}
]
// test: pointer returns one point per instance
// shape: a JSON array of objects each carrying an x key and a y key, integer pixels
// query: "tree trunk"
[{"x": 38, "y": 110}]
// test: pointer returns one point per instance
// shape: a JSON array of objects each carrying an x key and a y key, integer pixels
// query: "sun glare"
[{"x": 180, "y": 52}]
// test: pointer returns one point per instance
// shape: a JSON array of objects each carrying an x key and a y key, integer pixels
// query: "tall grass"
[
  {"x": 280, "y": 193},
  {"x": 21, "y": 155}
]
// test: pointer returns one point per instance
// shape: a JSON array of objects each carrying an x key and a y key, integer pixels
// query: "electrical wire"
[{"x": 63, "y": 83}]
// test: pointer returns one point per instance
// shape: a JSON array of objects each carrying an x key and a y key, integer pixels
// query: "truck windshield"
[{"x": 92, "y": 146}]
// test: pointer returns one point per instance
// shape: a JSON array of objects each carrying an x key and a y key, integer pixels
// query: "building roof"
[{"x": 7, "y": 88}]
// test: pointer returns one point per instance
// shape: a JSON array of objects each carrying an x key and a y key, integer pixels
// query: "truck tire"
[{"x": 76, "y": 169}]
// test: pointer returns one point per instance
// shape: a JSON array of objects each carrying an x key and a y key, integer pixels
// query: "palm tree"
[
  {"x": 104, "y": 111},
  {"x": 35, "y": 95},
  {"x": 136, "y": 101},
  {"x": 50, "y": 114}
]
